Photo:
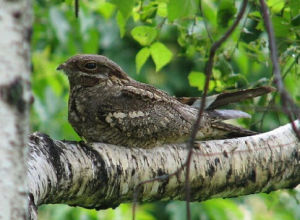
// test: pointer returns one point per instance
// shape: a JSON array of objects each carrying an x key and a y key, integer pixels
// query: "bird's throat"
[{"x": 86, "y": 81}]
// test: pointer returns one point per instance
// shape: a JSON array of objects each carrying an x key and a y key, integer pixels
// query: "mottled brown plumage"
[{"x": 106, "y": 105}]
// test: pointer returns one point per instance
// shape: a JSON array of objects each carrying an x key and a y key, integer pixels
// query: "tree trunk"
[
  {"x": 102, "y": 176},
  {"x": 15, "y": 31}
]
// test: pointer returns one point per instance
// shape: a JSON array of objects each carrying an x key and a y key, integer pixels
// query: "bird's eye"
[{"x": 90, "y": 65}]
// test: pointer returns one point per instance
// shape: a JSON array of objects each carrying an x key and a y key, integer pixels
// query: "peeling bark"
[
  {"x": 15, "y": 29},
  {"x": 103, "y": 176}
]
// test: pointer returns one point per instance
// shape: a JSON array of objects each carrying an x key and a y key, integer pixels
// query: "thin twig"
[
  {"x": 196, "y": 126},
  {"x": 272, "y": 101},
  {"x": 76, "y": 8},
  {"x": 285, "y": 97},
  {"x": 238, "y": 40},
  {"x": 208, "y": 73},
  {"x": 205, "y": 23}
]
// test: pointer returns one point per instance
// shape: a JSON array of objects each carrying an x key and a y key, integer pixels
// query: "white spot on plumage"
[
  {"x": 136, "y": 114},
  {"x": 119, "y": 115},
  {"x": 163, "y": 123},
  {"x": 149, "y": 94},
  {"x": 157, "y": 97},
  {"x": 140, "y": 114},
  {"x": 108, "y": 118}
]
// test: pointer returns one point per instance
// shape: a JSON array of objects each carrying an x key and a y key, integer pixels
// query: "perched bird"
[{"x": 106, "y": 105}]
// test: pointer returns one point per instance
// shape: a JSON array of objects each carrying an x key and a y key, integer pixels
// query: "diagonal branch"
[
  {"x": 286, "y": 100},
  {"x": 208, "y": 74},
  {"x": 102, "y": 176}
]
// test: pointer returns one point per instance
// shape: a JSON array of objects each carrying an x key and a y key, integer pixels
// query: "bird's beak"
[{"x": 61, "y": 66}]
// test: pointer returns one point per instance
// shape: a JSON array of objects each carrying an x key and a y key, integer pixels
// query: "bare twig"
[
  {"x": 285, "y": 97},
  {"x": 208, "y": 73},
  {"x": 205, "y": 23},
  {"x": 76, "y": 8},
  {"x": 190, "y": 144},
  {"x": 238, "y": 40},
  {"x": 272, "y": 101}
]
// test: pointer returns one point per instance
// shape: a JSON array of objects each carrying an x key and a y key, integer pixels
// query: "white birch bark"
[
  {"x": 15, "y": 31},
  {"x": 101, "y": 176}
]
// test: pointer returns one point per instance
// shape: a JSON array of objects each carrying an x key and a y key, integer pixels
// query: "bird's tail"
[
  {"x": 222, "y": 99},
  {"x": 232, "y": 131},
  {"x": 217, "y": 116}
]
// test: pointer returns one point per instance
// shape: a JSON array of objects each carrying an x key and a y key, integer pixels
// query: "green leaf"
[
  {"x": 236, "y": 80},
  {"x": 124, "y": 6},
  {"x": 275, "y": 5},
  {"x": 91, "y": 41},
  {"x": 149, "y": 11},
  {"x": 215, "y": 209},
  {"x": 210, "y": 12},
  {"x": 226, "y": 12},
  {"x": 294, "y": 7},
  {"x": 296, "y": 20},
  {"x": 281, "y": 28},
  {"x": 144, "y": 34},
  {"x": 197, "y": 79},
  {"x": 141, "y": 58},
  {"x": 181, "y": 8},
  {"x": 121, "y": 23},
  {"x": 162, "y": 9},
  {"x": 106, "y": 9},
  {"x": 224, "y": 66},
  {"x": 161, "y": 55}
]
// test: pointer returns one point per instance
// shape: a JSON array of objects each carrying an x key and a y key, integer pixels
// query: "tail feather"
[
  {"x": 222, "y": 129},
  {"x": 232, "y": 97},
  {"x": 225, "y": 114},
  {"x": 232, "y": 131},
  {"x": 219, "y": 100}
]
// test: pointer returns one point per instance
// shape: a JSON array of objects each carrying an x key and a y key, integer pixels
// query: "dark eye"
[{"x": 90, "y": 65}]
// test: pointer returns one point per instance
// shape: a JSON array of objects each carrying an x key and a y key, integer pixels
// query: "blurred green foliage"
[{"x": 166, "y": 43}]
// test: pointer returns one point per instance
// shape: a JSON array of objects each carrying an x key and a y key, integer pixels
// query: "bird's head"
[{"x": 90, "y": 69}]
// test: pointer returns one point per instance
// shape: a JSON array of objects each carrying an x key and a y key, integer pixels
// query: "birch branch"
[{"x": 101, "y": 176}]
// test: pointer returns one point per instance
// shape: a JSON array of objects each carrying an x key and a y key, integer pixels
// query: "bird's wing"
[
  {"x": 232, "y": 131},
  {"x": 216, "y": 101},
  {"x": 144, "y": 113},
  {"x": 148, "y": 93}
]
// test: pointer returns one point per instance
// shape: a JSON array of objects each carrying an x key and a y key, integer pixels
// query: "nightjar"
[{"x": 106, "y": 105}]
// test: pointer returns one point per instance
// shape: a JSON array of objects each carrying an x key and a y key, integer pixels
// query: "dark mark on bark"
[
  {"x": 31, "y": 202},
  {"x": 241, "y": 182},
  {"x": 253, "y": 176},
  {"x": 17, "y": 14},
  {"x": 28, "y": 35},
  {"x": 132, "y": 172},
  {"x": 295, "y": 155},
  {"x": 13, "y": 95},
  {"x": 270, "y": 189},
  {"x": 269, "y": 175},
  {"x": 229, "y": 173},
  {"x": 34, "y": 140},
  {"x": 101, "y": 183},
  {"x": 35, "y": 137},
  {"x": 217, "y": 161},
  {"x": 211, "y": 170},
  {"x": 54, "y": 153},
  {"x": 119, "y": 170},
  {"x": 225, "y": 153},
  {"x": 165, "y": 180}
]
